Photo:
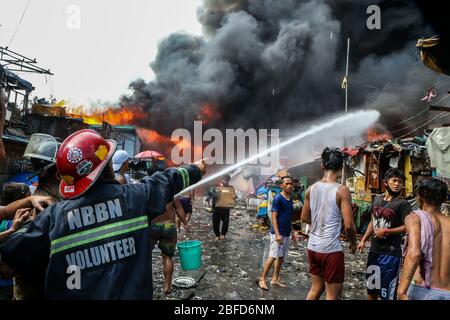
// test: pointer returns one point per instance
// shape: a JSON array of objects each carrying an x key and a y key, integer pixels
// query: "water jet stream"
[{"x": 369, "y": 116}]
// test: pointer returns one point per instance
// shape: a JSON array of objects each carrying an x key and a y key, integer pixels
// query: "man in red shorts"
[{"x": 326, "y": 203}]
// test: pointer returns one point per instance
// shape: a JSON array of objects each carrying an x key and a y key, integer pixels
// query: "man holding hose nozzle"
[{"x": 98, "y": 238}]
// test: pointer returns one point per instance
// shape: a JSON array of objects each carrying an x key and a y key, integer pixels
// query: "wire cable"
[
  {"x": 439, "y": 116},
  {"x": 20, "y": 22},
  {"x": 411, "y": 124},
  {"x": 421, "y": 112}
]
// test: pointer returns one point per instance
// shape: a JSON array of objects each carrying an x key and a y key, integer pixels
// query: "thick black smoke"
[{"x": 273, "y": 63}]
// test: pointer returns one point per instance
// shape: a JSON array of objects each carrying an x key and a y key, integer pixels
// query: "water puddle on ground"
[{"x": 231, "y": 267}]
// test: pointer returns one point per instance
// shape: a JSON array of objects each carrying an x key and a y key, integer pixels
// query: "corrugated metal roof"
[
  {"x": 125, "y": 127},
  {"x": 12, "y": 138},
  {"x": 119, "y": 127}
]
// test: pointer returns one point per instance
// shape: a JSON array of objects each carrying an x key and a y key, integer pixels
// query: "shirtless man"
[
  {"x": 186, "y": 200},
  {"x": 164, "y": 231},
  {"x": 426, "y": 268}
]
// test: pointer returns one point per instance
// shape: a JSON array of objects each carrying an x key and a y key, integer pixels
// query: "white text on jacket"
[{"x": 99, "y": 212}]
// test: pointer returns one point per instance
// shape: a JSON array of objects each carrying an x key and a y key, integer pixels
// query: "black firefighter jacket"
[{"x": 98, "y": 246}]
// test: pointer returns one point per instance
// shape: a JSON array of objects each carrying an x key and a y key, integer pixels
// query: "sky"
[{"x": 94, "y": 48}]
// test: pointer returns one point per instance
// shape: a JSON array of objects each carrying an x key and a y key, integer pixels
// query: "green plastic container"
[{"x": 190, "y": 254}]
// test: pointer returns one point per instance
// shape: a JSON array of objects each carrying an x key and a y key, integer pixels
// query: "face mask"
[{"x": 392, "y": 193}]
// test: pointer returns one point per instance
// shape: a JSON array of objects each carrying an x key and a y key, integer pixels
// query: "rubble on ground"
[{"x": 231, "y": 267}]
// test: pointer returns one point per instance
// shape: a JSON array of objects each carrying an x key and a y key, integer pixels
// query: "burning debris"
[
  {"x": 374, "y": 135},
  {"x": 114, "y": 116}
]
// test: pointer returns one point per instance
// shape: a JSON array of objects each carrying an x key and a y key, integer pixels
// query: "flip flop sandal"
[
  {"x": 278, "y": 284},
  {"x": 259, "y": 286}
]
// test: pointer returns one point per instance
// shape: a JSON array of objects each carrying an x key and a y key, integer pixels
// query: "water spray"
[{"x": 369, "y": 116}]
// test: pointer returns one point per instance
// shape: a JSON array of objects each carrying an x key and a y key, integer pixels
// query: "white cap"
[{"x": 119, "y": 157}]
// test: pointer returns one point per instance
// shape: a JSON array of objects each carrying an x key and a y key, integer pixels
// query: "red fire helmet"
[{"x": 80, "y": 160}]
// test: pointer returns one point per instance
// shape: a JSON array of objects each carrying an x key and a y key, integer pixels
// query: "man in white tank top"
[{"x": 326, "y": 203}]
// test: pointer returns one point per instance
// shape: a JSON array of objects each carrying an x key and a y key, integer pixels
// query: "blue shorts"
[
  {"x": 382, "y": 275},
  {"x": 417, "y": 292},
  {"x": 186, "y": 204}
]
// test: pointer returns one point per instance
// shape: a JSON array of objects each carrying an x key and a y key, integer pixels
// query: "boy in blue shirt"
[{"x": 282, "y": 210}]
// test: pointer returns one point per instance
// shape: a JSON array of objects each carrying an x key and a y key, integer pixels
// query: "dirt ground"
[{"x": 231, "y": 267}]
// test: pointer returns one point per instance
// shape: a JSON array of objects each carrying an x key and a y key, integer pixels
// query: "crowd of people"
[
  {"x": 418, "y": 270},
  {"x": 88, "y": 223}
]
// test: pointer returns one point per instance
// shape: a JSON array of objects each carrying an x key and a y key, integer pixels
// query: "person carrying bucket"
[{"x": 164, "y": 232}]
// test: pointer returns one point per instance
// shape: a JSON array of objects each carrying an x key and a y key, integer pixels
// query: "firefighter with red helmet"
[{"x": 98, "y": 238}]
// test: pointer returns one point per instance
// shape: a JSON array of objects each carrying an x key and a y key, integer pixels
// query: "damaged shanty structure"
[
  {"x": 367, "y": 164},
  {"x": 126, "y": 136},
  {"x": 14, "y": 86},
  {"x": 43, "y": 116},
  {"x": 17, "y": 128},
  {"x": 52, "y": 119}
]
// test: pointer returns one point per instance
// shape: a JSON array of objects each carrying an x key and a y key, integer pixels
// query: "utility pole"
[
  {"x": 346, "y": 102},
  {"x": 346, "y": 75}
]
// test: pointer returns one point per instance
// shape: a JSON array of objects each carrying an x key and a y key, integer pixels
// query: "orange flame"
[
  {"x": 151, "y": 138},
  {"x": 154, "y": 139},
  {"x": 373, "y": 135},
  {"x": 208, "y": 113},
  {"x": 114, "y": 116}
]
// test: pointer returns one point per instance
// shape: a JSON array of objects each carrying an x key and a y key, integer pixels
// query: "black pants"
[{"x": 220, "y": 215}]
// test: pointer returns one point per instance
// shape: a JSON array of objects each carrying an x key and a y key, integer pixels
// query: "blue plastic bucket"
[{"x": 190, "y": 254}]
